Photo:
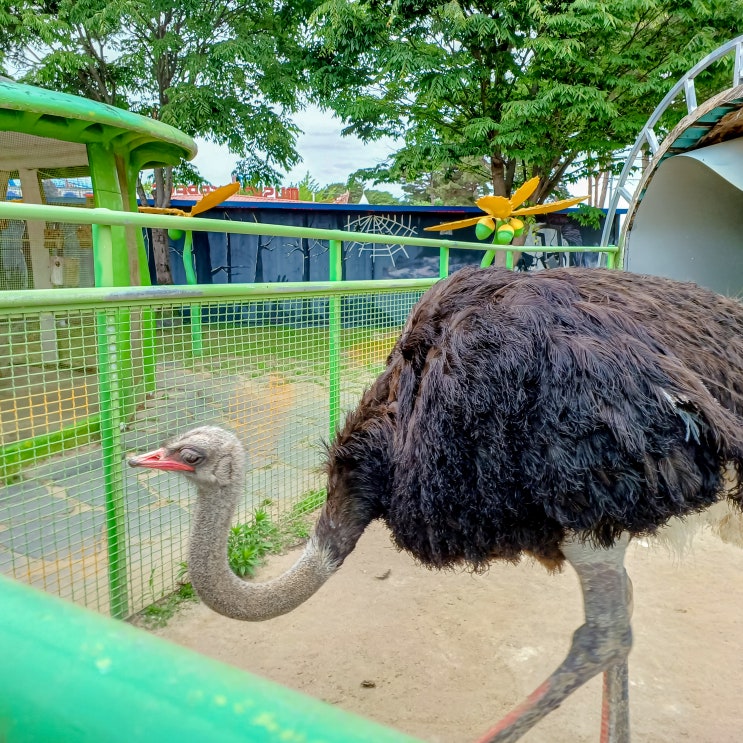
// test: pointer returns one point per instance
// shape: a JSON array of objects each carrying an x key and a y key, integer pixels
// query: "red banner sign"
[{"x": 290, "y": 193}]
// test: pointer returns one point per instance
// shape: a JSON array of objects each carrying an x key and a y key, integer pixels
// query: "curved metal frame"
[{"x": 647, "y": 135}]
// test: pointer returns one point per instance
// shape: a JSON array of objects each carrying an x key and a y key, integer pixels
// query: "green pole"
[
  {"x": 107, "y": 194},
  {"x": 197, "y": 345},
  {"x": 147, "y": 315},
  {"x": 509, "y": 260},
  {"x": 487, "y": 259},
  {"x": 334, "y": 336},
  {"x": 73, "y": 676},
  {"x": 111, "y": 259},
  {"x": 149, "y": 355},
  {"x": 111, "y": 449},
  {"x": 443, "y": 262},
  {"x": 115, "y": 370},
  {"x": 71, "y": 215}
]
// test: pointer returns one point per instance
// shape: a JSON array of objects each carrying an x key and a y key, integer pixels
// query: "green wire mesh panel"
[
  {"x": 49, "y": 521},
  {"x": 82, "y": 389}
]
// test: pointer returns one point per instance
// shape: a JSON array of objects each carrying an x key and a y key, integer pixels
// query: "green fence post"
[
  {"x": 110, "y": 257},
  {"x": 147, "y": 315},
  {"x": 109, "y": 382},
  {"x": 197, "y": 345},
  {"x": 509, "y": 260},
  {"x": 115, "y": 369},
  {"x": 334, "y": 336},
  {"x": 443, "y": 262},
  {"x": 487, "y": 259}
]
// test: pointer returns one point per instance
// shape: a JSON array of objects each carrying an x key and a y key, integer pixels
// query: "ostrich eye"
[{"x": 191, "y": 456}]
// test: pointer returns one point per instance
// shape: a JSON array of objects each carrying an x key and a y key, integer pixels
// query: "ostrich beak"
[{"x": 160, "y": 460}]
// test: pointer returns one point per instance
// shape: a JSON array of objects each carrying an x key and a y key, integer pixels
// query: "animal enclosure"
[
  {"x": 262, "y": 370},
  {"x": 90, "y": 376}
]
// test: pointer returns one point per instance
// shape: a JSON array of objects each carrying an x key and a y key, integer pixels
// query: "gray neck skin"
[{"x": 221, "y": 590}]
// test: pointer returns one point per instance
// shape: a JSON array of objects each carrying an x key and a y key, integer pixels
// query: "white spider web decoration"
[{"x": 384, "y": 224}]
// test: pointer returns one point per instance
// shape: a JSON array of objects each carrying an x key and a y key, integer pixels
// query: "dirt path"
[{"x": 448, "y": 654}]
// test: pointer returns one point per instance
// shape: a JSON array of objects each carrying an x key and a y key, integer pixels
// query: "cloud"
[{"x": 326, "y": 154}]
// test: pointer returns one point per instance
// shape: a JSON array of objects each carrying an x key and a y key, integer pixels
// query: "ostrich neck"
[{"x": 221, "y": 590}]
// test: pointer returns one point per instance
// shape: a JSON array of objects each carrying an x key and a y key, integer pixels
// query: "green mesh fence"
[{"x": 83, "y": 386}]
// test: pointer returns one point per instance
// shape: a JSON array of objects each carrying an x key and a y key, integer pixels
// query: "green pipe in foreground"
[{"x": 73, "y": 676}]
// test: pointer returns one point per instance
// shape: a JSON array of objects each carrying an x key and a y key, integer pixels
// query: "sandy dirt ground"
[{"x": 442, "y": 656}]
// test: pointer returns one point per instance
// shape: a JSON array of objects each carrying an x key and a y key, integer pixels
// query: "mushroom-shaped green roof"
[{"x": 47, "y": 114}]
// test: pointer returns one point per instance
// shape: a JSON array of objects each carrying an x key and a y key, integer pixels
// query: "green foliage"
[
  {"x": 461, "y": 185},
  {"x": 380, "y": 197},
  {"x": 310, "y": 502},
  {"x": 225, "y": 71},
  {"x": 157, "y": 614},
  {"x": 588, "y": 216},
  {"x": 536, "y": 88},
  {"x": 311, "y": 190},
  {"x": 308, "y": 187},
  {"x": 249, "y": 543}
]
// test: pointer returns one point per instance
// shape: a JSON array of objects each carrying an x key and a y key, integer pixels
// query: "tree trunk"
[
  {"x": 604, "y": 187},
  {"x": 160, "y": 242},
  {"x": 141, "y": 192},
  {"x": 498, "y": 175}
]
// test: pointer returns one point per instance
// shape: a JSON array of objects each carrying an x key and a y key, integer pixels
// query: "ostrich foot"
[{"x": 601, "y": 644}]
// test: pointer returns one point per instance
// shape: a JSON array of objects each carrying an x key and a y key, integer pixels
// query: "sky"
[{"x": 329, "y": 157}]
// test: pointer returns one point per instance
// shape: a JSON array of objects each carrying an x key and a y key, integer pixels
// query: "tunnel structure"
[{"x": 685, "y": 215}]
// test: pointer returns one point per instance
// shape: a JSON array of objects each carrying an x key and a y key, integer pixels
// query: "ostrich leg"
[
  {"x": 615, "y": 705},
  {"x": 601, "y": 644}
]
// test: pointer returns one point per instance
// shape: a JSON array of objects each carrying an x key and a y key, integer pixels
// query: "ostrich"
[{"x": 555, "y": 414}]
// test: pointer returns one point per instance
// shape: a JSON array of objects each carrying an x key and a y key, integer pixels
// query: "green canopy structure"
[{"x": 52, "y": 144}]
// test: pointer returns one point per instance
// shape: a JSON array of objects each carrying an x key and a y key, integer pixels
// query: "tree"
[
  {"x": 225, "y": 70},
  {"x": 536, "y": 87},
  {"x": 379, "y": 197},
  {"x": 311, "y": 190},
  {"x": 460, "y": 186}
]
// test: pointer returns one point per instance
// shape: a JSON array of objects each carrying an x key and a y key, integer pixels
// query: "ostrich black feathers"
[{"x": 518, "y": 408}]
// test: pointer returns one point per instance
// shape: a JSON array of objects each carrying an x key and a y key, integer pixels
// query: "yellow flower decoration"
[{"x": 501, "y": 211}]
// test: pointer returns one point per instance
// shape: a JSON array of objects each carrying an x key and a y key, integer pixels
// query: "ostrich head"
[
  {"x": 209, "y": 456},
  {"x": 213, "y": 460}
]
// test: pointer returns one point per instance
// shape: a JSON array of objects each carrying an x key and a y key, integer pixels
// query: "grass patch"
[
  {"x": 157, "y": 614},
  {"x": 249, "y": 543}
]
